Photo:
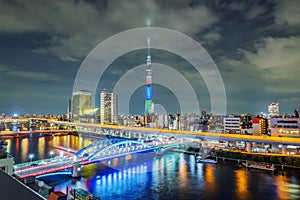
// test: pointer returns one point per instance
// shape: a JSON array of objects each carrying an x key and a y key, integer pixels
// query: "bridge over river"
[{"x": 95, "y": 152}]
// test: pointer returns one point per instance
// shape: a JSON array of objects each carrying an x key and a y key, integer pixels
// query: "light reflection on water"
[
  {"x": 171, "y": 176},
  {"x": 40, "y": 147},
  {"x": 183, "y": 179}
]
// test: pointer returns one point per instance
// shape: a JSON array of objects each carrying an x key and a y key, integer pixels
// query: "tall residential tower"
[
  {"x": 108, "y": 108},
  {"x": 149, "y": 108}
]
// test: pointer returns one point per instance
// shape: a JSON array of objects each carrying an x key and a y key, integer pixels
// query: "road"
[
  {"x": 191, "y": 134},
  {"x": 47, "y": 167}
]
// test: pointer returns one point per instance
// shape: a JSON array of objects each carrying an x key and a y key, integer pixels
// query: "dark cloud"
[{"x": 255, "y": 45}]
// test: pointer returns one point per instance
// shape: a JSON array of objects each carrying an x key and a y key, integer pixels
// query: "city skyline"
[{"x": 255, "y": 46}]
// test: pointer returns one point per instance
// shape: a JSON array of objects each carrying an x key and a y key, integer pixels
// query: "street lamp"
[
  {"x": 31, "y": 156},
  {"x": 51, "y": 154}
]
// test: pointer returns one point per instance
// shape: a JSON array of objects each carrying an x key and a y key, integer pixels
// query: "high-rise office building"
[
  {"x": 149, "y": 107},
  {"x": 273, "y": 109},
  {"x": 82, "y": 100},
  {"x": 260, "y": 125},
  {"x": 69, "y": 110},
  {"x": 108, "y": 108}
]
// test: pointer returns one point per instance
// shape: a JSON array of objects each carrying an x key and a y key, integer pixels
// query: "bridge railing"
[{"x": 36, "y": 162}]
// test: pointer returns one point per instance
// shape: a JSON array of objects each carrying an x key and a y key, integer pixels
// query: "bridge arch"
[
  {"x": 116, "y": 149},
  {"x": 95, "y": 145},
  {"x": 170, "y": 147}
]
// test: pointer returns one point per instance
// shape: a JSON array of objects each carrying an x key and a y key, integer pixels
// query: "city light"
[
  {"x": 51, "y": 153},
  {"x": 30, "y": 157}
]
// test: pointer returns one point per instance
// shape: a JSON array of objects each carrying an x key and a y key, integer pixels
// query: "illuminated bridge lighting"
[{"x": 55, "y": 174}]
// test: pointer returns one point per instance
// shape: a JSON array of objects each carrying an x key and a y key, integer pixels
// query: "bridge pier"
[
  {"x": 248, "y": 147},
  {"x": 284, "y": 149},
  {"x": 147, "y": 137},
  {"x": 76, "y": 170},
  {"x": 159, "y": 151}
]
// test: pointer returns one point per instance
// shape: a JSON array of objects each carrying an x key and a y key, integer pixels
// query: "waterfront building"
[
  {"x": 284, "y": 127},
  {"x": 108, "y": 108},
  {"x": 260, "y": 126},
  {"x": 232, "y": 124},
  {"x": 216, "y": 123},
  {"x": 246, "y": 124},
  {"x": 82, "y": 100},
  {"x": 238, "y": 124},
  {"x": 273, "y": 109}
]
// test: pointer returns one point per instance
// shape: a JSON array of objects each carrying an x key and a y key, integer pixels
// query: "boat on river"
[
  {"x": 261, "y": 166},
  {"x": 200, "y": 159},
  {"x": 203, "y": 156},
  {"x": 81, "y": 194}
]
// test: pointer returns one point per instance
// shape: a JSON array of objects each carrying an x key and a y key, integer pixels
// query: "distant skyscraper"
[
  {"x": 69, "y": 110},
  {"x": 108, "y": 108},
  {"x": 82, "y": 100},
  {"x": 273, "y": 109},
  {"x": 149, "y": 108}
]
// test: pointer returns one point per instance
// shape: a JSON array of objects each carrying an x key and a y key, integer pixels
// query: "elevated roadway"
[
  {"x": 189, "y": 134},
  {"x": 165, "y": 132}
]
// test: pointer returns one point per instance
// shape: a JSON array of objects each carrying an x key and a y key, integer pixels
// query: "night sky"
[{"x": 255, "y": 45}]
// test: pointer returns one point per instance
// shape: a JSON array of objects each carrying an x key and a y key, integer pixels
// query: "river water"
[{"x": 171, "y": 176}]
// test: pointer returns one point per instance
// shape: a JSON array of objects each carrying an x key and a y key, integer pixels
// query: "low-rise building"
[{"x": 284, "y": 127}]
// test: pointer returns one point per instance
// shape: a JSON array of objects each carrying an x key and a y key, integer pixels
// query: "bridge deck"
[
  {"x": 58, "y": 164},
  {"x": 203, "y": 135}
]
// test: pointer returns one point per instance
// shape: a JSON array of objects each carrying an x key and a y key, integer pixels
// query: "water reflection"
[
  {"x": 241, "y": 183},
  {"x": 183, "y": 172},
  {"x": 41, "y": 147},
  {"x": 286, "y": 189},
  {"x": 209, "y": 178},
  {"x": 171, "y": 176},
  {"x": 24, "y": 149}
]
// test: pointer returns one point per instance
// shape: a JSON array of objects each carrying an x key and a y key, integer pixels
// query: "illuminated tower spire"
[{"x": 148, "y": 101}]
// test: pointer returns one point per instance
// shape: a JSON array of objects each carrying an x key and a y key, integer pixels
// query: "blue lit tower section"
[{"x": 148, "y": 101}]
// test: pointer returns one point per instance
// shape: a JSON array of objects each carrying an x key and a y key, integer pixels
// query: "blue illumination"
[
  {"x": 54, "y": 174},
  {"x": 148, "y": 92}
]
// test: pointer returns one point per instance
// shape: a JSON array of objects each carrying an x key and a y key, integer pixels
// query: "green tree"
[
  {"x": 297, "y": 162},
  {"x": 244, "y": 157},
  {"x": 289, "y": 160},
  {"x": 260, "y": 158},
  {"x": 275, "y": 159}
]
